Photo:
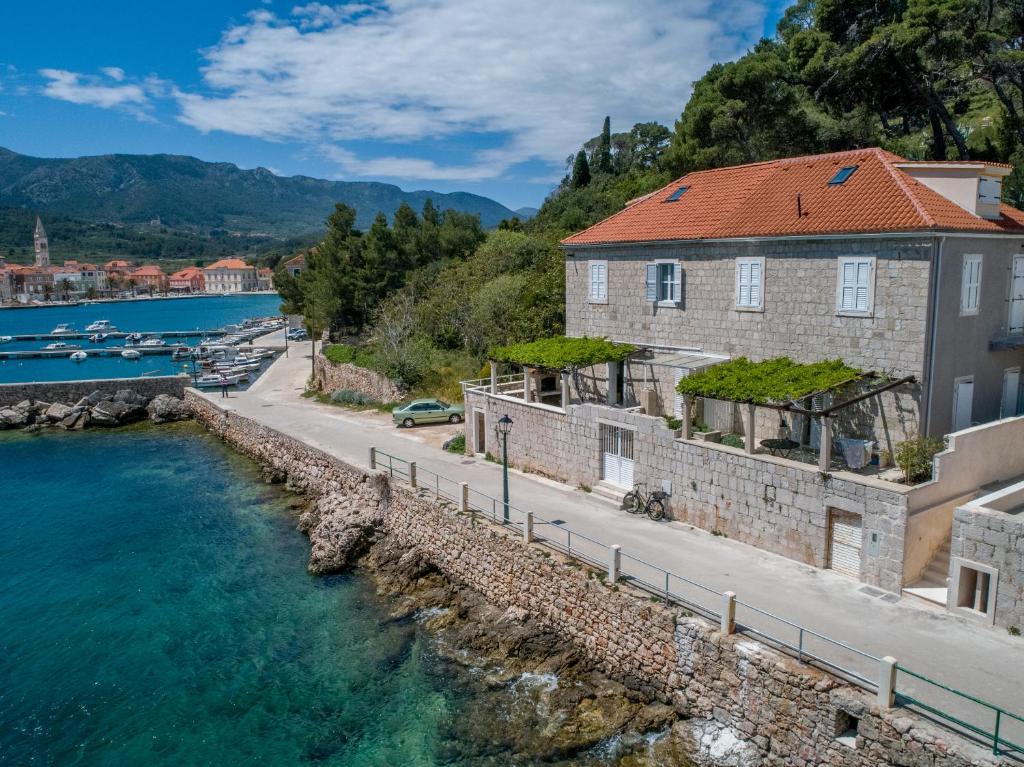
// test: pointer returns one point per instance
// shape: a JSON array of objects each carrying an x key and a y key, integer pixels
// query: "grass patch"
[{"x": 352, "y": 355}]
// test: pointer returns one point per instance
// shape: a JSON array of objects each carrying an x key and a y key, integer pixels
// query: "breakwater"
[
  {"x": 69, "y": 392},
  {"x": 741, "y": 702}
]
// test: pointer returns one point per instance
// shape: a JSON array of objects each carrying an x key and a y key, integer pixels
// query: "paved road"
[{"x": 977, "y": 659}]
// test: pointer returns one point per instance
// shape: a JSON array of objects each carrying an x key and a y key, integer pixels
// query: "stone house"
[
  {"x": 152, "y": 277},
  {"x": 230, "y": 275},
  {"x": 911, "y": 269},
  {"x": 189, "y": 280}
]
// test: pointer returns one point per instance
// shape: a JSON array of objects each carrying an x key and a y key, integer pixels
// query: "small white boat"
[
  {"x": 59, "y": 346},
  {"x": 99, "y": 326},
  {"x": 61, "y": 329},
  {"x": 78, "y": 356},
  {"x": 98, "y": 338},
  {"x": 6, "y": 339},
  {"x": 214, "y": 380},
  {"x": 133, "y": 337},
  {"x": 153, "y": 342},
  {"x": 131, "y": 354}
]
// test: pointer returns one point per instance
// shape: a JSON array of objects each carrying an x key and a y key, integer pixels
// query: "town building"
[
  {"x": 31, "y": 283},
  {"x": 6, "y": 283},
  {"x": 189, "y": 280},
  {"x": 151, "y": 277},
  {"x": 230, "y": 275},
  {"x": 910, "y": 272},
  {"x": 294, "y": 266},
  {"x": 265, "y": 279},
  {"x": 42, "y": 245}
]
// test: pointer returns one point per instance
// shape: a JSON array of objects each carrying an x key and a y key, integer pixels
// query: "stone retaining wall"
[
  {"x": 747, "y": 703},
  {"x": 331, "y": 376},
  {"x": 771, "y": 503},
  {"x": 69, "y": 392}
]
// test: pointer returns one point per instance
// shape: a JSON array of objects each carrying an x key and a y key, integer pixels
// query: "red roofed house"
[
  {"x": 152, "y": 277},
  {"x": 265, "y": 279},
  {"x": 889, "y": 264},
  {"x": 230, "y": 275},
  {"x": 295, "y": 265},
  {"x": 900, "y": 267},
  {"x": 188, "y": 280}
]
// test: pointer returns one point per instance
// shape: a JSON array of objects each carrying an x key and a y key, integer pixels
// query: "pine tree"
[
  {"x": 580, "y": 171},
  {"x": 603, "y": 155}
]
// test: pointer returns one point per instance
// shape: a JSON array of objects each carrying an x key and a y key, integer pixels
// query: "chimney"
[{"x": 977, "y": 187}]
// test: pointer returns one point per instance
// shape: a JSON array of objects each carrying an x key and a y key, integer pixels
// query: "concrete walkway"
[{"x": 980, "y": 660}]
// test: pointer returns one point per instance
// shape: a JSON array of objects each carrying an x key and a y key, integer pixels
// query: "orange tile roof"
[
  {"x": 188, "y": 273},
  {"x": 229, "y": 263},
  {"x": 148, "y": 271},
  {"x": 296, "y": 261},
  {"x": 760, "y": 200}
]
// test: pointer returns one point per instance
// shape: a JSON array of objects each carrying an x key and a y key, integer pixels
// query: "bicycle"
[{"x": 637, "y": 502}]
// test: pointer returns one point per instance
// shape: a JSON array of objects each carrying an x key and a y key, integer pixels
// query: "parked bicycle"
[{"x": 636, "y": 501}]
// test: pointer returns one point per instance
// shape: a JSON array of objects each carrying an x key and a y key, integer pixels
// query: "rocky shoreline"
[
  {"x": 123, "y": 407},
  {"x": 548, "y": 702}
]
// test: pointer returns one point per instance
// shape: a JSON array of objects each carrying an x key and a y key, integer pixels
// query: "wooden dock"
[
  {"x": 76, "y": 336},
  {"x": 99, "y": 351}
]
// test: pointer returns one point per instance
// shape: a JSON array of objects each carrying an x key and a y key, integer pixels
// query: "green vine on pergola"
[
  {"x": 771, "y": 382},
  {"x": 562, "y": 353}
]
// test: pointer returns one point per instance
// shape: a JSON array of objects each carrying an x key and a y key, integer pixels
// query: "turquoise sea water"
[
  {"x": 147, "y": 315},
  {"x": 155, "y": 610}
]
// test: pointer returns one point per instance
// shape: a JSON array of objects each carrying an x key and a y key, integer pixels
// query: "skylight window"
[
  {"x": 677, "y": 194},
  {"x": 842, "y": 175}
]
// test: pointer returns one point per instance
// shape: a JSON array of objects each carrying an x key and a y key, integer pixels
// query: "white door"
[
  {"x": 677, "y": 407},
  {"x": 845, "y": 543},
  {"x": 963, "y": 402},
  {"x": 617, "y": 456},
  {"x": 1017, "y": 296},
  {"x": 1011, "y": 393}
]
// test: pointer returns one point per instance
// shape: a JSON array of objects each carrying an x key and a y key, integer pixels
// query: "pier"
[
  {"x": 98, "y": 351},
  {"x": 115, "y": 334}
]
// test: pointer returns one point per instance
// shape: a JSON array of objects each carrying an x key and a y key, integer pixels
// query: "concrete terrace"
[{"x": 980, "y": 660}]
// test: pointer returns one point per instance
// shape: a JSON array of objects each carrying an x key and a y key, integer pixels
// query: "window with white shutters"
[
  {"x": 598, "y": 282},
  {"x": 855, "y": 292},
  {"x": 664, "y": 282},
  {"x": 749, "y": 283},
  {"x": 970, "y": 285}
]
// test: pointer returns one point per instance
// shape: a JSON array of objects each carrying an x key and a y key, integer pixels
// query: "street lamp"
[{"x": 504, "y": 427}]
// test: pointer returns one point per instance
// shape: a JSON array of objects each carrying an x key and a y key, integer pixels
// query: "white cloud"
[
  {"x": 537, "y": 76},
  {"x": 83, "y": 89},
  {"x": 114, "y": 73}
]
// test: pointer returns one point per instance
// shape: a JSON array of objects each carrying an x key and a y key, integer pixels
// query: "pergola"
[
  {"x": 559, "y": 354},
  {"x": 780, "y": 384}
]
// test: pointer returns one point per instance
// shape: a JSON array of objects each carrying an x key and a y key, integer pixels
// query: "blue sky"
[{"x": 484, "y": 96}]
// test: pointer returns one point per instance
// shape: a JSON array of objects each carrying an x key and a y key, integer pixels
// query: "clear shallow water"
[
  {"x": 155, "y": 609},
  {"x": 137, "y": 316}
]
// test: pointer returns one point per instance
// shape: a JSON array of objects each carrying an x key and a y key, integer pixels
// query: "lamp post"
[{"x": 504, "y": 427}]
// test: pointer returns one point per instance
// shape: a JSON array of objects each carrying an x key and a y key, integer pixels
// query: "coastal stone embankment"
[
  {"x": 735, "y": 701},
  {"x": 115, "y": 403},
  {"x": 332, "y": 376}
]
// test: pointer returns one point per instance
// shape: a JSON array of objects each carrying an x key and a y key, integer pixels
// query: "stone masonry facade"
[
  {"x": 995, "y": 539},
  {"x": 72, "y": 391},
  {"x": 799, "y": 317},
  {"x": 774, "y": 710},
  {"x": 332, "y": 376},
  {"x": 771, "y": 503}
]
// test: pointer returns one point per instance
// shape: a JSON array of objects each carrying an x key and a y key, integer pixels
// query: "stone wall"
[
  {"x": 993, "y": 539},
  {"x": 69, "y": 392},
  {"x": 747, "y": 703},
  {"x": 772, "y": 503},
  {"x": 331, "y": 376}
]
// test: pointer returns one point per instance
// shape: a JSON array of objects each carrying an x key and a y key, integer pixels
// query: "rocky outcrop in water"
[{"x": 123, "y": 407}]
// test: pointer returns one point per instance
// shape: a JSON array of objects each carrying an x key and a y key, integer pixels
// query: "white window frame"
[
  {"x": 970, "y": 291},
  {"x": 601, "y": 297},
  {"x": 675, "y": 284},
  {"x": 870, "y": 310},
  {"x": 750, "y": 305}
]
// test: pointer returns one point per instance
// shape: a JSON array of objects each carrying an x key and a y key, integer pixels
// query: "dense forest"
[{"x": 926, "y": 79}]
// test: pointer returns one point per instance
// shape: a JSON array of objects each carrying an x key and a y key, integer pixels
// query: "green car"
[{"x": 427, "y": 411}]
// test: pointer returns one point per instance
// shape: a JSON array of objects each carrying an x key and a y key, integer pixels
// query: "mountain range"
[{"x": 186, "y": 193}]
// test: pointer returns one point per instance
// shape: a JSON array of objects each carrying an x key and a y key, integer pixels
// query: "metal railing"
[
  {"x": 987, "y": 722},
  {"x": 506, "y": 383}
]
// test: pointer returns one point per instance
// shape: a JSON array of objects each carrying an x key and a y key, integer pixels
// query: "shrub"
[
  {"x": 343, "y": 353},
  {"x": 914, "y": 457},
  {"x": 672, "y": 422},
  {"x": 733, "y": 440},
  {"x": 351, "y": 397},
  {"x": 456, "y": 444}
]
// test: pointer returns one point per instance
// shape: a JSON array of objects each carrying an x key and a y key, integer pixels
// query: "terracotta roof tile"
[
  {"x": 761, "y": 200},
  {"x": 229, "y": 263}
]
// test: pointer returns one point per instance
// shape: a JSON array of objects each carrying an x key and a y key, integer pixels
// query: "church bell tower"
[{"x": 42, "y": 245}]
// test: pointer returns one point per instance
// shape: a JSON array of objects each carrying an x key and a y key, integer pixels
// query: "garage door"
[
  {"x": 845, "y": 543},
  {"x": 617, "y": 456}
]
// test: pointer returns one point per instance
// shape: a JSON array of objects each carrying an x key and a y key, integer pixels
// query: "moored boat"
[
  {"x": 98, "y": 338},
  {"x": 131, "y": 354},
  {"x": 62, "y": 329},
  {"x": 100, "y": 325},
  {"x": 59, "y": 346},
  {"x": 213, "y": 380},
  {"x": 78, "y": 356},
  {"x": 153, "y": 342}
]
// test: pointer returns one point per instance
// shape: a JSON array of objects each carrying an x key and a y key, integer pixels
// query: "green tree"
[
  {"x": 603, "y": 154},
  {"x": 580, "y": 171}
]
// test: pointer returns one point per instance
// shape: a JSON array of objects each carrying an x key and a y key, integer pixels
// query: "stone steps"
[
  {"x": 932, "y": 587},
  {"x": 608, "y": 492}
]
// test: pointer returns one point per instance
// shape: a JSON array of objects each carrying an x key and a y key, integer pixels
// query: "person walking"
[{"x": 223, "y": 385}]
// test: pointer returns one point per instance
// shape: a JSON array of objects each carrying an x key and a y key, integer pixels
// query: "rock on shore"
[{"x": 123, "y": 407}]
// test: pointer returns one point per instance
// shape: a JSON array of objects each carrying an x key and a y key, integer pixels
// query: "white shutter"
[
  {"x": 854, "y": 289},
  {"x": 755, "y": 283},
  {"x": 970, "y": 285},
  {"x": 749, "y": 277},
  {"x": 677, "y": 283},
  {"x": 743, "y": 276},
  {"x": 598, "y": 281},
  {"x": 846, "y": 543},
  {"x": 863, "y": 275},
  {"x": 651, "y": 286}
]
